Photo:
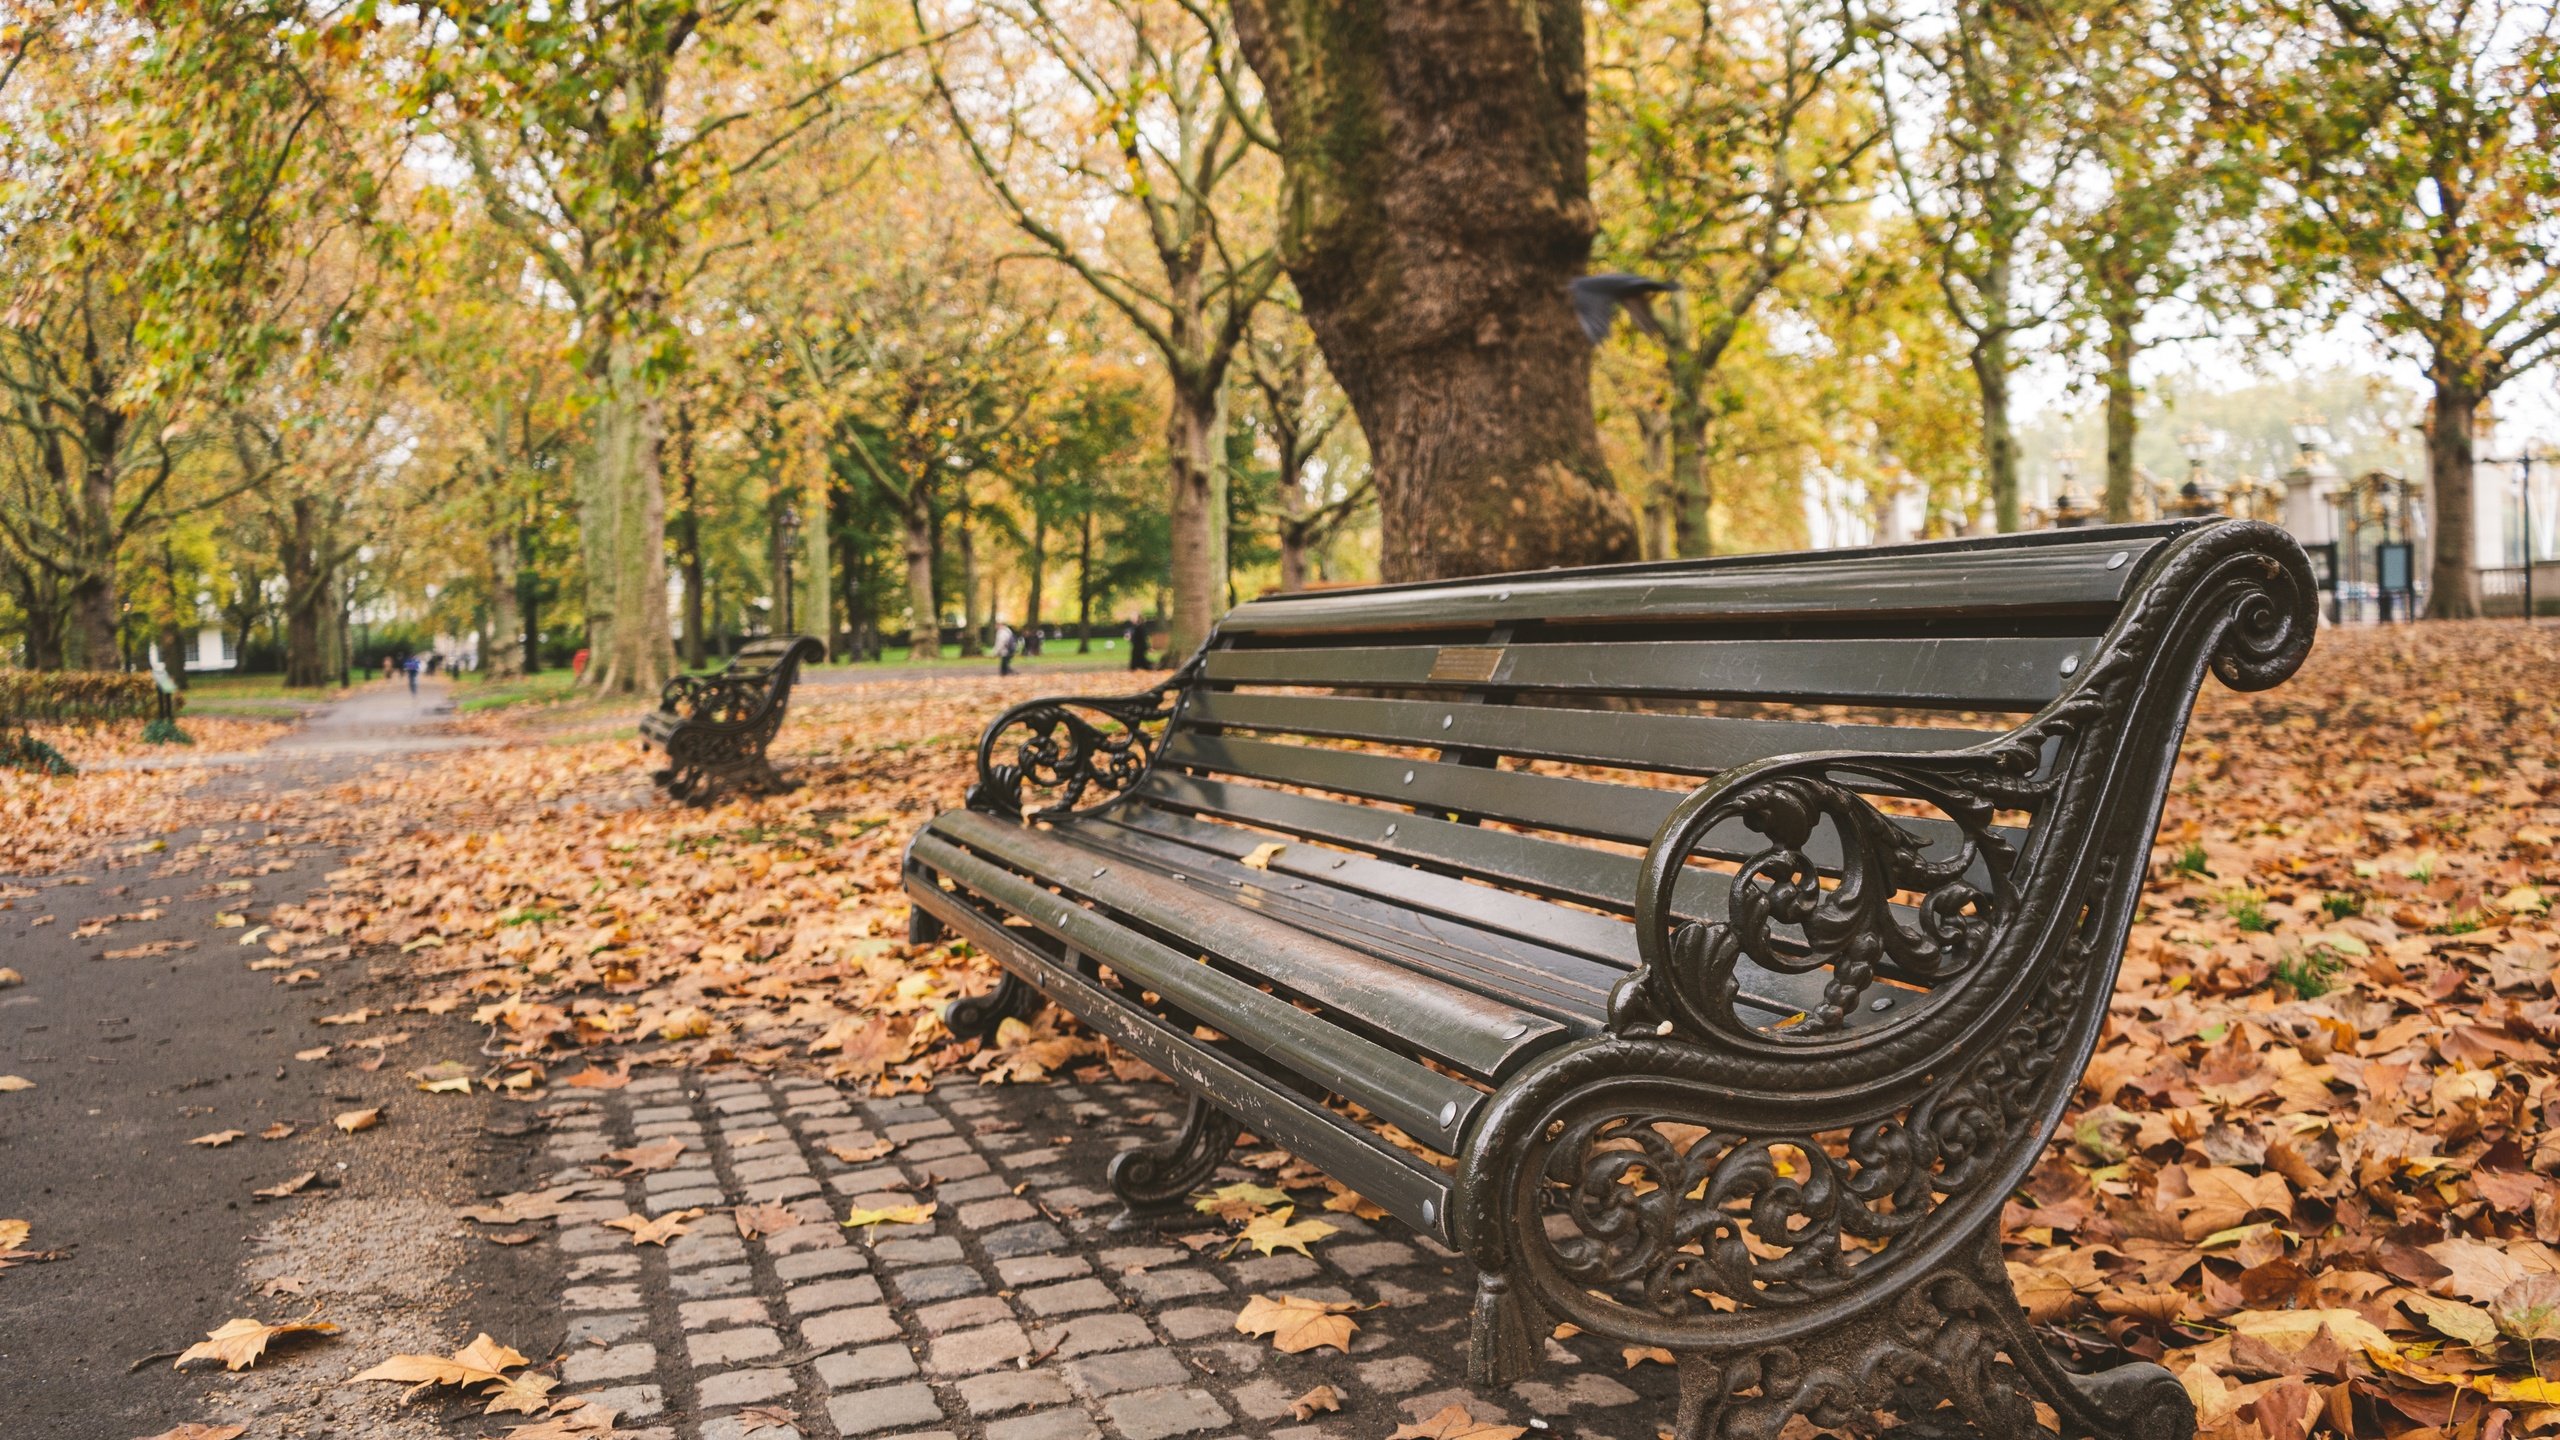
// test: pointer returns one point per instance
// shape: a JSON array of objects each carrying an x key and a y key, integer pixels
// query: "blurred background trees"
[{"x": 632, "y": 330}]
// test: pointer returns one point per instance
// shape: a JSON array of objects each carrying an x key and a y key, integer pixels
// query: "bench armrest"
[
  {"x": 1848, "y": 922},
  {"x": 1060, "y": 749},
  {"x": 720, "y": 699}
]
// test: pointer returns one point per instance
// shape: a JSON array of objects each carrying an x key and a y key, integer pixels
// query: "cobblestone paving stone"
[{"x": 1016, "y": 1312}]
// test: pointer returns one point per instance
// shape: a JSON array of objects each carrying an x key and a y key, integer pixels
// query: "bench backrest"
[
  {"x": 1535, "y": 731},
  {"x": 778, "y": 652}
]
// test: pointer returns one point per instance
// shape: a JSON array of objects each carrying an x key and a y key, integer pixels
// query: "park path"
[{"x": 143, "y": 1026}]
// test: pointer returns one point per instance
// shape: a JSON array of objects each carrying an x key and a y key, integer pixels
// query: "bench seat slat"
[
  {"x": 1600, "y": 809},
  {"x": 1424, "y": 1101},
  {"x": 1636, "y": 740},
  {"x": 1906, "y": 583},
  {"x": 1411, "y": 1190},
  {"x": 1962, "y": 673},
  {"x": 1571, "y": 989},
  {"x": 1474, "y": 1033}
]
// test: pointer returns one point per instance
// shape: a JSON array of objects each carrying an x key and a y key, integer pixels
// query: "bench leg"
[
  {"x": 924, "y": 929},
  {"x": 975, "y": 1017},
  {"x": 1155, "y": 1179},
  {"x": 1952, "y": 1356}
]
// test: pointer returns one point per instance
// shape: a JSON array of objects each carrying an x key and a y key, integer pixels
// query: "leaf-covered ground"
[{"x": 2315, "y": 1168}]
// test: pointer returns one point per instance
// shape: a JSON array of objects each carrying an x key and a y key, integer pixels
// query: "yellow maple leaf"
[
  {"x": 240, "y": 1342},
  {"x": 890, "y": 1215},
  {"x": 1296, "y": 1323},
  {"x": 1273, "y": 1232}
]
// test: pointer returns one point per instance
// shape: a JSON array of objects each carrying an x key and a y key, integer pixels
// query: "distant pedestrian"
[
  {"x": 1008, "y": 642},
  {"x": 1136, "y": 634},
  {"x": 390, "y": 667},
  {"x": 413, "y": 666}
]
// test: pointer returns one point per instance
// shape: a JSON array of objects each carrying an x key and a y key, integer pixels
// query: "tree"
[
  {"x": 600, "y": 137},
  {"x": 1437, "y": 205},
  {"x": 1153, "y": 124},
  {"x": 1997, "y": 82},
  {"x": 1729, "y": 133},
  {"x": 1301, "y": 413},
  {"x": 2417, "y": 144}
]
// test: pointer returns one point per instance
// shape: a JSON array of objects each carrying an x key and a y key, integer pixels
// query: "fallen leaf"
[
  {"x": 641, "y": 1159},
  {"x": 193, "y": 1431},
  {"x": 1240, "y": 1201},
  {"x": 451, "y": 1085},
  {"x": 352, "y": 1121},
  {"x": 483, "y": 1360},
  {"x": 1260, "y": 858},
  {"x": 293, "y": 1186},
  {"x": 1454, "y": 1423},
  {"x": 278, "y": 1131},
  {"x": 217, "y": 1139},
  {"x": 646, "y": 1231},
  {"x": 1296, "y": 1324},
  {"x": 572, "y": 1419},
  {"x": 757, "y": 1221},
  {"x": 862, "y": 1154},
  {"x": 766, "y": 1417},
  {"x": 2467, "y": 1323},
  {"x": 592, "y": 1078},
  {"x": 15, "y": 1082},
  {"x": 890, "y": 1215},
  {"x": 526, "y": 1394},
  {"x": 1320, "y": 1399},
  {"x": 1271, "y": 1232},
  {"x": 240, "y": 1342},
  {"x": 1346, "y": 1201},
  {"x": 1639, "y": 1354},
  {"x": 316, "y": 1052}
]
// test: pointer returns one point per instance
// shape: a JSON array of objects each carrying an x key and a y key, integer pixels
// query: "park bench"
[
  {"x": 715, "y": 728},
  {"x": 1731, "y": 934}
]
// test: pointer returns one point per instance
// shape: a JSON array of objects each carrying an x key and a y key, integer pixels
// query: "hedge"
[{"x": 76, "y": 695}]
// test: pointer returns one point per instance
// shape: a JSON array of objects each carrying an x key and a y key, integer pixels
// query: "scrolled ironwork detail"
[{"x": 1059, "y": 750}]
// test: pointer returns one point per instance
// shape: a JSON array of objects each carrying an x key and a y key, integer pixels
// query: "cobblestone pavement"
[{"x": 1015, "y": 1312}]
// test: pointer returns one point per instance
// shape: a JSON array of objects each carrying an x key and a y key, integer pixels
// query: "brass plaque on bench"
[{"x": 1471, "y": 664}]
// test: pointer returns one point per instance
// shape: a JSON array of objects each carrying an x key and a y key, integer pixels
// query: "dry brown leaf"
[
  {"x": 526, "y": 1394},
  {"x": 1638, "y": 1354},
  {"x": 483, "y": 1360},
  {"x": 240, "y": 1342},
  {"x": 1297, "y": 1324},
  {"x": 192, "y": 1431},
  {"x": 592, "y": 1078},
  {"x": 1344, "y": 1200},
  {"x": 1267, "y": 1233},
  {"x": 641, "y": 1159},
  {"x": 1454, "y": 1423},
  {"x": 352, "y": 1121},
  {"x": 862, "y": 1154},
  {"x": 757, "y": 1221},
  {"x": 217, "y": 1139},
  {"x": 646, "y": 1231},
  {"x": 767, "y": 1417},
  {"x": 575, "y": 1418},
  {"x": 1315, "y": 1402},
  {"x": 294, "y": 1186},
  {"x": 278, "y": 1131}
]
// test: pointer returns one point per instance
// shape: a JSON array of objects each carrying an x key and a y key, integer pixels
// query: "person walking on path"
[
  {"x": 412, "y": 666},
  {"x": 1007, "y": 643},
  {"x": 1136, "y": 631}
]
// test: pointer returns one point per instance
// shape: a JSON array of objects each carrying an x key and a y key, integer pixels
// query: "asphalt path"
[{"x": 151, "y": 1030}]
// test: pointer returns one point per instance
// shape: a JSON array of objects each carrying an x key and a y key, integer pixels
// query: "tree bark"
[
  {"x": 1084, "y": 584},
  {"x": 688, "y": 528},
  {"x": 2454, "y": 587},
  {"x": 1990, "y": 360},
  {"x": 1691, "y": 493},
  {"x": 924, "y": 615},
  {"x": 1199, "y": 521},
  {"x": 623, "y": 520},
  {"x": 1039, "y": 562},
  {"x": 1437, "y": 205},
  {"x": 973, "y": 615},
  {"x": 2120, "y": 419}
]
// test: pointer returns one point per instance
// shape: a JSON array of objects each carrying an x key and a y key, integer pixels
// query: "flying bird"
[{"x": 1596, "y": 299}]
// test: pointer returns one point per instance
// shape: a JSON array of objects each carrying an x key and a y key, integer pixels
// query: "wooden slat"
[
  {"x": 1410, "y": 1094},
  {"x": 1571, "y": 989},
  {"x": 2007, "y": 673},
  {"x": 1524, "y": 862},
  {"x": 2039, "y": 579},
  {"x": 1413, "y": 1191},
  {"x": 1630, "y": 814},
  {"x": 1681, "y": 744},
  {"x": 1476, "y": 1034}
]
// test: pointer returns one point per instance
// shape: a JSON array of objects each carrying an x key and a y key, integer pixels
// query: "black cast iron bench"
[
  {"x": 715, "y": 728},
  {"x": 1736, "y": 929}
]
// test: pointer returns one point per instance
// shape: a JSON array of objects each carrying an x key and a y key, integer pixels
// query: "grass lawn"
[{"x": 202, "y": 686}]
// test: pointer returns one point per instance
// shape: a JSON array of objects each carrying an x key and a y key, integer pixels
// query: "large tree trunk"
[
  {"x": 1084, "y": 584},
  {"x": 2454, "y": 592},
  {"x": 622, "y": 519},
  {"x": 1038, "y": 562},
  {"x": 2120, "y": 421},
  {"x": 924, "y": 616},
  {"x": 973, "y": 615},
  {"x": 689, "y": 541},
  {"x": 1438, "y": 205},
  {"x": 503, "y": 656},
  {"x": 1199, "y": 521}
]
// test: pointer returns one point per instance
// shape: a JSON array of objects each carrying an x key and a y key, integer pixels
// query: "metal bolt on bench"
[{"x": 1733, "y": 932}]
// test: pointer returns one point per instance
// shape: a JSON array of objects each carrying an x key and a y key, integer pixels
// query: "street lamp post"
[
  {"x": 790, "y": 543},
  {"x": 2524, "y": 501},
  {"x": 2199, "y": 496}
]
